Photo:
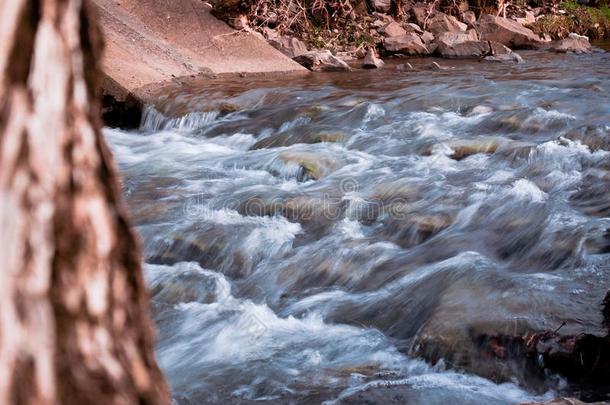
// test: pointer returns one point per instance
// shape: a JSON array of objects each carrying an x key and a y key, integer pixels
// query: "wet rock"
[
  {"x": 573, "y": 43},
  {"x": 322, "y": 61},
  {"x": 434, "y": 66},
  {"x": 382, "y": 6},
  {"x": 409, "y": 44},
  {"x": 287, "y": 138},
  {"x": 507, "y": 32},
  {"x": 404, "y": 67},
  {"x": 595, "y": 138},
  {"x": 559, "y": 401},
  {"x": 584, "y": 360},
  {"x": 441, "y": 22},
  {"x": 462, "y": 148},
  {"x": 371, "y": 60},
  {"x": 393, "y": 29},
  {"x": 289, "y": 46},
  {"x": 184, "y": 282},
  {"x": 313, "y": 165},
  {"x": 511, "y": 57}
]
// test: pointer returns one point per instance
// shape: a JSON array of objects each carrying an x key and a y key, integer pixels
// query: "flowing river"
[{"x": 340, "y": 238}]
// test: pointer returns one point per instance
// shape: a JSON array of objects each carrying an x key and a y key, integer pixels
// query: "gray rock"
[
  {"x": 507, "y": 32},
  {"x": 289, "y": 46},
  {"x": 512, "y": 57},
  {"x": 409, "y": 44},
  {"x": 573, "y": 43},
  {"x": 322, "y": 61}
]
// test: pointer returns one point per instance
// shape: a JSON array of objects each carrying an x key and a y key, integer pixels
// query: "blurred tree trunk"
[{"x": 74, "y": 322}]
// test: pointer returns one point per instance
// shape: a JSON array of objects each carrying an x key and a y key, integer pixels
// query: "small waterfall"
[{"x": 153, "y": 120}]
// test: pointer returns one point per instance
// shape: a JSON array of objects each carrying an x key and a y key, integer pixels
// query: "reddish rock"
[
  {"x": 507, "y": 32},
  {"x": 468, "y": 18},
  {"x": 420, "y": 13},
  {"x": 412, "y": 27},
  {"x": 371, "y": 60},
  {"x": 441, "y": 22},
  {"x": 409, "y": 44},
  {"x": 393, "y": 29},
  {"x": 322, "y": 61},
  {"x": 427, "y": 37},
  {"x": 289, "y": 46}
]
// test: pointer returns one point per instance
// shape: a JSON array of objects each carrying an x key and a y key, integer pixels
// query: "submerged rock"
[
  {"x": 313, "y": 165},
  {"x": 404, "y": 67},
  {"x": 322, "y": 61},
  {"x": 507, "y": 32},
  {"x": 511, "y": 57},
  {"x": 462, "y": 148}
]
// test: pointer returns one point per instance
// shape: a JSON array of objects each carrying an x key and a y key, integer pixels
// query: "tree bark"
[{"x": 74, "y": 321}]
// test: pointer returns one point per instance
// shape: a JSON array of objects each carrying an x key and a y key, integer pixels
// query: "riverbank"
[{"x": 152, "y": 45}]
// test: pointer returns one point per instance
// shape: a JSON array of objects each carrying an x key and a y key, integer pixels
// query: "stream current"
[{"x": 339, "y": 238}]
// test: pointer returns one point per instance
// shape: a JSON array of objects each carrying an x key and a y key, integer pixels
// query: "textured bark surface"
[{"x": 74, "y": 322}]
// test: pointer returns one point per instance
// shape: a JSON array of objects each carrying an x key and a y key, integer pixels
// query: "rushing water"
[{"x": 306, "y": 237}]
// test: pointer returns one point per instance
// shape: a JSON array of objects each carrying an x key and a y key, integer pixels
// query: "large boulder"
[
  {"x": 507, "y": 32},
  {"x": 573, "y": 43},
  {"x": 289, "y": 46},
  {"x": 466, "y": 44},
  {"x": 446, "y": 39},
  {"x": 409, "y": 44},
  {"x": 322, "y": 61},
  {"x": 441, "y": 22}
]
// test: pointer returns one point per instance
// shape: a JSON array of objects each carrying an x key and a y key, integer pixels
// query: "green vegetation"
[{"x": 590, "y": 21}]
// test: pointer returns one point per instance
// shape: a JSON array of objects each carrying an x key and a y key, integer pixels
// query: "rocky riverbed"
[{"x": 405, "y": 234}]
